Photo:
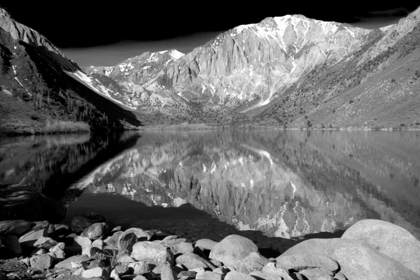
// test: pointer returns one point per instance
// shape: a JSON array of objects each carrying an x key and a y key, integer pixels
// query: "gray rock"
[
  {"x": 167, "y": 273},
  {"x": 78, "y": 271},
  {"x": 264, "y": 276},
  {"x": 187, "y": 274},
  {"x": 388, "y": 239},
  {"x": 357, "y": 259},
  {"x": 45, "y": 243},
  {"x": 191, "y": 260},
  {"x": 95, "y": 272},
  {"x": 254, "y": 262},
  {"x": 66, "y": 264},
  {"x": 98, "y": 243},
  {"x": 57, "y": 251},
  {"x": 40, "y": 225},
  {"x": 126, "y": 238},
  {"x": 139, "y": 277},
  {"x": 306, "y": 260},
  {"x": 140, "y": 267},
  {"x": 271, "y": 269},
  {"x": 234, "y": 275},
  {"x": 125, "y": 258},
  {"x": 232, "y": 249},
  {"x": 12, "y": 244},
  {"x": 114, "y": 275},
  {"x": 209, "y": 275},
  {"x": 205, "y": 244},
  {"x": 84, "y": 243},
  {"x": 95, "y": 231},
  {"x": 14, "y": 227},
  {"x": 149, "y": 251},
  {"x": 126, "y": 241},
  {"x": 112, "y": 241},
  {"x": 316, "y": 274},
  {"x": 79, "y": 224},
  {"x": 182, "y": 248},
  {"x": 41, "y": 262},
  {"x": 29, "y": 239}
]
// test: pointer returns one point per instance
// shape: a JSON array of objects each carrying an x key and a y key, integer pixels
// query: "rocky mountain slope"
[
  {"x": 43, "y": 91},
  {"x": 285, "y": 71}
]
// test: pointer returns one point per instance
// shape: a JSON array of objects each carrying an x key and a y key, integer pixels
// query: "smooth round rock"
[
  {"x": 232, "y": 249},
  {"x": 306, "y": 260},
  {"x": 254, "y": 262},
  {"x": 388, "y": 239}
]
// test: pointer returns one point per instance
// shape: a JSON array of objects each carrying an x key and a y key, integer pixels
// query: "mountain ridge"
[{"x": 238, "y": 77}]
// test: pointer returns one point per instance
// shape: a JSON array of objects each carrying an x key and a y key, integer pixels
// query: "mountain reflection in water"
[{"x": 284, "y": 184}]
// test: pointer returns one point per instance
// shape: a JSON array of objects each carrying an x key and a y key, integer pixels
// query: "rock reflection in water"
[{"x": 285, "y": 184}]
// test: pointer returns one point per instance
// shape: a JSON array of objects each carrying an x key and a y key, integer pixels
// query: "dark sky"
[{"x": 112, "y": 32}]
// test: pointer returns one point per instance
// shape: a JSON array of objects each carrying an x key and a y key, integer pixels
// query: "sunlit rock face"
[
  {"x": 256, "y": 61},
  {"x": 283, "y": 184},
  {"x": 140, "y": 82}
]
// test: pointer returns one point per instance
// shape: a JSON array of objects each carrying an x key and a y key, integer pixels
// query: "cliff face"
[{"x": 283, "y": 184}]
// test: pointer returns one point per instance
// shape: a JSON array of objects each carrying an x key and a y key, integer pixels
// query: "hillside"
[{"x": 38, "y": 93}]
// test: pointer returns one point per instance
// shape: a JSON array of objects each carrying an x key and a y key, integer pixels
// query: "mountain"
[
  {"x": 287, "y": 71},
  {"x": 43, "y": 91}
]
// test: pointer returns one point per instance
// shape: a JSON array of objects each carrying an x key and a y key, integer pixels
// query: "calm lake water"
[{"x": 276, "y": 183}]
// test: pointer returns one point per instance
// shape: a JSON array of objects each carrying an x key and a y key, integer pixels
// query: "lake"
[{"x": 270, "y": 184}]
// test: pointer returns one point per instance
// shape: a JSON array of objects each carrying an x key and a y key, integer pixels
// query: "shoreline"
[{"x": 89, "y": 249}]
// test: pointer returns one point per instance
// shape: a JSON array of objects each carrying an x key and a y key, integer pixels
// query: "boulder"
[
  {"x": 67, "y": 263},
  {"x": 232, "y": 249},
  {"x": 388, "y": 239},
  {"x": 14, "y": 227},
  {"x": 112, "y": 241},
  {"x": 29, "y": 239},
  {"x": 306, "y": 260},
  {"x": 316, "y": 274},
  {"x": 205, "y": 244},
  {"x": 95, "y": 231},
  {"x": 139, "y": 277},
  {"x": 254, "y": 262},
  {"x": 191, "y": 260},
  {"x": 12, "y": 244},
  {"x": 357, "y": 259},
  {"x": 97, "y": 272},
  {"x": 234, "y": 275},
  {"x": 57, "y": 251},
  {"x": 41, "y": 262},
  {"x": 149, "y": 251}
]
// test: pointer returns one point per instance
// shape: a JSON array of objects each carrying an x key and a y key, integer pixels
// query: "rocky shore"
[{"x": 89, "y": 249}]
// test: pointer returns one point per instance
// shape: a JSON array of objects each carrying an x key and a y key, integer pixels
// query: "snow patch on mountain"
[{"x": 97, "y": 87}]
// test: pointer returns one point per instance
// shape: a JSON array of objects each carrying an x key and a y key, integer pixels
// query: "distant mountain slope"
[
  {"x": 287, "y": 71},
  {"x": 37, "y": 93}
]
